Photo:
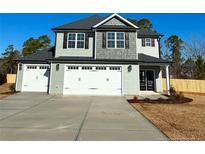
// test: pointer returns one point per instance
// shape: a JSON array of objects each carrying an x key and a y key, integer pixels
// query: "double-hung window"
[
  {"x": 148, "y": 42},
  {"x": 115, "y": 40},
  {"x": 76, "y": 40}
]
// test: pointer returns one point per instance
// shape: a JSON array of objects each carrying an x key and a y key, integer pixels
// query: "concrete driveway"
[{"x": 38, "y": 116}]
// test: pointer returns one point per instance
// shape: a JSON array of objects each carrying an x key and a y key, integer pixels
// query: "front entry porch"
[
  {"x": 151, "y": 79},
  {"x": 147, "y": 80}
]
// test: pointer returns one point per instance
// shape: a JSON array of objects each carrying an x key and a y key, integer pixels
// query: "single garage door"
[
  {"x": 35, "y": 78},
  {"x": 92, "y": 80}
]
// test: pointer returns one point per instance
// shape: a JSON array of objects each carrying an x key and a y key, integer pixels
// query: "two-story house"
[{"x": 96, "y": 56}]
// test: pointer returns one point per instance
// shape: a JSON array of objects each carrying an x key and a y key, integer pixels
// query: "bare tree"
[
  {"x": 195, "y": 47},
  {"x": 194, "y": 51}
]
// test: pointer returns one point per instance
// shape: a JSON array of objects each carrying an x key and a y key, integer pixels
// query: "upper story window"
[
  {"x": 148, "y": 42},
  {"x": 76, "y": 40},
  {"x": 115, "y": 39}
]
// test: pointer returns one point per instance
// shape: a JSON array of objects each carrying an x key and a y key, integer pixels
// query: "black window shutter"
[
  {"x": 153, "y": 42},
  {"x": 86, "y": 41},
  {"x": 65, "y": 40},
  {"x": 126, "y": 40},
  {"x": 143, "y": 42},
  {"x": 104, "y": 40}
]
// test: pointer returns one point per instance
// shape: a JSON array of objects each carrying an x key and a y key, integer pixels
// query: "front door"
[{"x": 147, "y": 80}]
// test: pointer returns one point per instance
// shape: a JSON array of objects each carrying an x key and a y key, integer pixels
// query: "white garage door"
[
  {"x": 35, "y": 78},
  {"x": 95, "y": 80}
]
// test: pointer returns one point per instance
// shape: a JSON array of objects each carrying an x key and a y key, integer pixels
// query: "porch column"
[{"x": 167, "y": 80}]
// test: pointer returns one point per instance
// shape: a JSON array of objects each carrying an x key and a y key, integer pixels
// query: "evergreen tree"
[
  {"x": 32, "y": 45},
  {"x": 174, "y": 44}
]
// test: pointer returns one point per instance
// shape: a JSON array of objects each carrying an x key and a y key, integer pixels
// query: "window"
[
  {"x": 43, "y": 67},
  {"x": 72, "y": 67},
  {"x": 100, "y": 68},
  {"x": 80, "y": 40},
  {"x": 111, "y": 40},
  {"x": 114, "y": 68},
  {"x": 31, "y": 67},
  {"x": 148, "y": 42},
  {"x": 120, "y": 40},
  {"x": 76, "y": 40},
  {"x": 71, "y": 40},
  {"x": 87, "y": 68},
  {"x": 115, "y": 40}
]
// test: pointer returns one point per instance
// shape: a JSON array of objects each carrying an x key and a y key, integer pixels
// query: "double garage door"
[
  {"x": 35, "y": 78},
  {"x": 92, "y": 80}
]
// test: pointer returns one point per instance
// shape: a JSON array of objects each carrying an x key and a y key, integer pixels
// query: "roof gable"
[
  {"x": 114, "y": 21},
  {"x": 120, "y": 21}
]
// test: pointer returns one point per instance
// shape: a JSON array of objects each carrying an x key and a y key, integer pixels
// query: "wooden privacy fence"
[
  {"x": 185, "y": 85},
  {"x": 11, "y": 78}
]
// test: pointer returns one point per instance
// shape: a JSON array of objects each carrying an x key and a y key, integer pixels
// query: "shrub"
[
  {"x": 135, "y": 99},
  {"x": 173, "y": 91},
  {"x": 147, "y": 100},
  {"x": 161, "y": 100},
  {"x": 180, "y": 97},
  {"x": 12, "y": 88},
  {"x": 174, "y": 96}
]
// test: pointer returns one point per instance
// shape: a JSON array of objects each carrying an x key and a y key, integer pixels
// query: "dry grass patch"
[{"x": 185, "y": 121}]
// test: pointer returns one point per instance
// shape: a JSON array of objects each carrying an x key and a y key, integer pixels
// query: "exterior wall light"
[
  {"x": 57, "y": 67},
  {"x": 129, "y": 68}
]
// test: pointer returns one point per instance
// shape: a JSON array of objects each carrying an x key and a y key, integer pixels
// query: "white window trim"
[
  {"x": 76, "y": 40},
  {"x": 115, "y": 40},
  {"x": 149, "y": 42}
]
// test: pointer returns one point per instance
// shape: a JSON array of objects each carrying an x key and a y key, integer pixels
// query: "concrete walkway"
[{"x": 38, "y": 116}]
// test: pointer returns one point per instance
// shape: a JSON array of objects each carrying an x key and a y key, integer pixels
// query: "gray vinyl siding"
[
  {"x": 158, "y": 77},
  {"x": 73, "y": 52},
  {"x": 130, "y": 80},
  {"x": 57, "y": 79},
  {"x": 106, "y": 53}
]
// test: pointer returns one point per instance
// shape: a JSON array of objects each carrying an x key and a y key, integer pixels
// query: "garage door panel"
[
  {"x": 92, "y": 82},
  {"x": 35, "y": 78}
]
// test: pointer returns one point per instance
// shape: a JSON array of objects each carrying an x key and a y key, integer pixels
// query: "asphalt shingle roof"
[
  {"x": 149, "y": 59},
  {"x": 89, "y": 22},
  {"x": 84, "y": 24},
  {"x": 40, "y": 55},
  {"x": 48, "y": 54},
  {"x": 144, "y": 32}
]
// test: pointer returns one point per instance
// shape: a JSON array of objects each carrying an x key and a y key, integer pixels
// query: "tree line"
[
  {"x": 8, "y": 65},
  {"x": 188, "y": 57}
]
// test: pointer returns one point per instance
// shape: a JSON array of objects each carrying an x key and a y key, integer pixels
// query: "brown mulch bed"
[
  {"x": 184, "y": 120},
  {"x": 4, "y": 90}
]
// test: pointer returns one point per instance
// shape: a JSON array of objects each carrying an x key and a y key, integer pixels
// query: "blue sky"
[{"x": 16, "y": 28}]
